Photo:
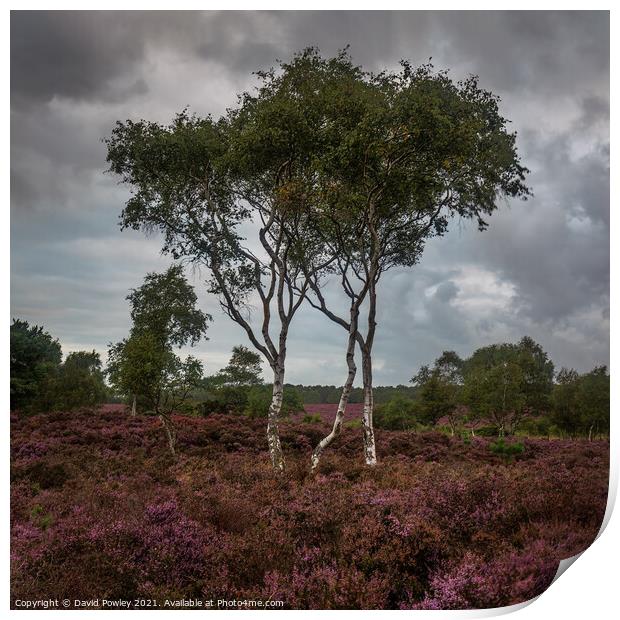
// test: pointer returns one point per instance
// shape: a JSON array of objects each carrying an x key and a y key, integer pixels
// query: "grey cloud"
[
  {"x": 243, "y": 41},
  {"x": 446, "y": 291},
  {"x": 546, "y": 261},
  {"x": 556, "y": 248},
  {"x": 540, "y": 52},
  {"x": 70, "y": 53}
]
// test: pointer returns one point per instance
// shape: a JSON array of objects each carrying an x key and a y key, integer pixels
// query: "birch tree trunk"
[
  {"x": 133, "y": 406},
  {"x": 344, "y": 396},
  {"x": 273, "y": 433},
  {"x": 370, "y": 452},
  {"x": 171, "y": 433}
]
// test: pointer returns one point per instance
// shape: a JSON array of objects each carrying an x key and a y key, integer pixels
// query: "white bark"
[
  {"x": 273, "y": 434},
  {"x": 133, "y": 406},
  {"x": 344, "y": 399},
  {"x": 370, "y": 451}
]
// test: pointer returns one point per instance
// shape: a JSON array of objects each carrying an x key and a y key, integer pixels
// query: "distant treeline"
[
  {"x": 330, "y": 394},
  {"x": 501, "y": 389}
]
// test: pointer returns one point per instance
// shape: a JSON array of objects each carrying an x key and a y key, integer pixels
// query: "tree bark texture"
[
  {"x": 273, "y": 434},
  {"x": 344, "y": 396}
]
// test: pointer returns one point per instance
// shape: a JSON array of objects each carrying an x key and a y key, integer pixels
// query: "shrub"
[
  {"x": 311, "y": 418},
  {"x": 35, "y": 359},
  {"x": 357, "y": 423},
  {"x": 225, "y": 399},
  {"x": 506, "y": 450},
  {"x": 396, "y": 415},
  {"x": 259, "y": 400},
  {"x": 435, "y": 525},
  {"x": 46, "y": 476},
  {"x": 538, "y": 426}
]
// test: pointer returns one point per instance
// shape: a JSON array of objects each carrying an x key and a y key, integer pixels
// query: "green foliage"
[
  {"x": 357, "y": 423},
  {"x": 40, "y": 517},
  {"x": 330, "y": 394},
  {"x": 311, "y": 418},
  {"x": 227, "y": 391},
  {"x": 566, "y": 415},
  {"x": 370, "y": 189},
  {"x": 79, "y": 382},
  {"x": 35, "y": 358},
  {"x": 400, "y": 413},
  {"x": 144, "y": 364},
  {"x": 593, "y": 401},
  {"x": 505, "y": 382},
  {"x": 495, "y": 394},
  {"x": 160, "y": 379},
  {"x": 135, "y": 364},
  {"x": 486, "y": 431},
  {"x": 184, "y": 186},
  {"x": 538, "y": 371},
  {"x": 40, "y": 382},
  {"x": 166, "y": 166},
  {"x": 540, "y": 426},
  {"x": 436, "y": 398},
  {"x": 165, "y": 305},
  {"x": 439, "y": 390},
  {"x": 336, "y": 162},
  {"x": 535, "y": 368},
  {"x": 259, "y": 400},
  {"x": 506, "y": 450},
  {"x": 581, "y": 402},
  {"x": 449, "y": 366},
  {"x": 243, "y": 369},
  {"x": 221, "y": 399}
]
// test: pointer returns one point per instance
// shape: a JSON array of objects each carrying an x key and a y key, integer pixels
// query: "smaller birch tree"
[{"x": 144, "y": 365}]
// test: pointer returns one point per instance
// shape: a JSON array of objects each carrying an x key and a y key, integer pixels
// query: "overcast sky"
[{"x": 541, "y": 269}]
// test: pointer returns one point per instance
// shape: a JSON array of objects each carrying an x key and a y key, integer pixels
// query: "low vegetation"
[{"x": 100, "y": 509}]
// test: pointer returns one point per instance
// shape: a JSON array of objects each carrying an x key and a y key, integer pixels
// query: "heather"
[{"x": 101, "y": 509}]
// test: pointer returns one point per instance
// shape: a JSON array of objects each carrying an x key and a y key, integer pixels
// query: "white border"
[{"x": 588, "y": 589}]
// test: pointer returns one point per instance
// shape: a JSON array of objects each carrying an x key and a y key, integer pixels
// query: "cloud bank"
[{"x": 542, "y": 268}]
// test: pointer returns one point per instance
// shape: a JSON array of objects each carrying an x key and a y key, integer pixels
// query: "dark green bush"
[
  {"x": 259, "y": 399},
  {"x": 224, "y": 399},
  {"x": 398, "y": 414},
  {"x": 311, "y": 418},
  {"x": 506, "y": 450}
]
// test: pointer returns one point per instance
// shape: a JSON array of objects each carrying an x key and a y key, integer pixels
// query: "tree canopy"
[
  {"x": 144, "y": 364},
  {"x": 79, "y": 382},
  {"x": 35, "y": 355},
  {"x": 580, "y": 403},
  {"x": 165, "y": 305},
  {"x": 243, "y": 369},
  {"x": 338, "y": 171}
]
